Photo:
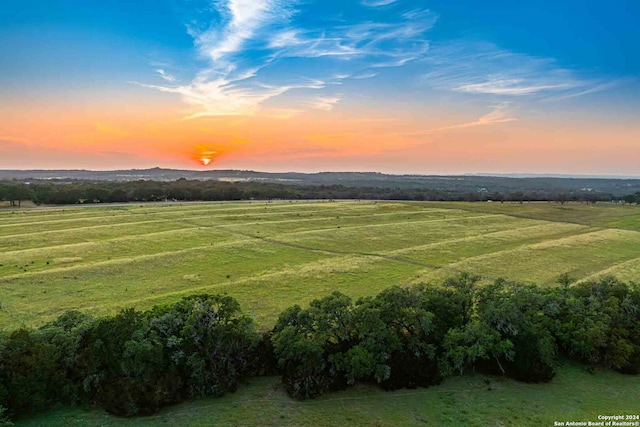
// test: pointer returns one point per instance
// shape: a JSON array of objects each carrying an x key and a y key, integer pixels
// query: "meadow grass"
[
  {"x": 472, "y": 400},
  {"x": 606, "y": 215},
  {"x": 270, "y": 256}
]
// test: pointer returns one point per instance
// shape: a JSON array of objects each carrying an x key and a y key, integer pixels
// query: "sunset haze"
[{"x": 395, "y": 86}]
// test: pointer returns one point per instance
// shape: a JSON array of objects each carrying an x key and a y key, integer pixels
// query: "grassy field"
[
  {"x": 272, "y": 255},
  {"x": 574, "y": 395}
]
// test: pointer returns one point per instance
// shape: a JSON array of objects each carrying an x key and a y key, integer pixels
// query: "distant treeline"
[
  {"x": 194, "y": 190},
  {"x": 503, "y": 184},
  {"x": 136, "y": 362}
]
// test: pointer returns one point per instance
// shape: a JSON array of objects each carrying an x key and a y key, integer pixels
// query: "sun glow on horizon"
[
  {"x": 388, "y": 86},
  {"x": 205, "y": 155}
]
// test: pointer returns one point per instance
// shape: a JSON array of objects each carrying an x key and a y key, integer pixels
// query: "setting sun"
[
  {"x": 342, "y": 200},
  {"x": 204, "y": 155}
]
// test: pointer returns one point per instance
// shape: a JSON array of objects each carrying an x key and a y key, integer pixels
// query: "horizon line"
[{"x": 484, "y": 174}]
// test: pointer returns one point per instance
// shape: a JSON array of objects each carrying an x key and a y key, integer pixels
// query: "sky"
[{"x": 394, "y": 86}]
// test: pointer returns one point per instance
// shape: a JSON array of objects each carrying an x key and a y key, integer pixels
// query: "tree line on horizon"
[
  {"x": 136, "y": 362},
  {"x": 194, "y": 190}
]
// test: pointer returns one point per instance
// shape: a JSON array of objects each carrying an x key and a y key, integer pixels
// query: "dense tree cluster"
[
  {"x": 632, "y": 198},
  {"x": 132, "y": 363},
  {"x": 194, "y": 190},
  {"x": 135, "y": 362}
]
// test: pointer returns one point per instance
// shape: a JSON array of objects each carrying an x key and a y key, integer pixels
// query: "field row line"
[
  {"x": 204, "y": 217},
  {"x": 237, "y": 224},
  {"x": 335, "y": 251},
  {"x": 351, "y": 227},
  {"x": 388, "y": 256},
  {"x": 566, "y": 221},
  {"x": 98, "y": 242},
  {"x": 608, "y": 271},
  {"x": 459, "y": 265},
  {"x": 309, "y": 268},
  {"x": 480, "y": 236},
  {"x": 117, "y": 261},
  {"x": 221, "y": 207},
  {"x": 159, "y": 254},
  {"x": 217, "y": 212},
  {"x": 167, "y": 253}
]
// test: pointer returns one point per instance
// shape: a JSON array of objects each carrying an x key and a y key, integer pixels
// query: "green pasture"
[
  {"x": 272, "y": 255},
  {"x": 574, "y": 395}
]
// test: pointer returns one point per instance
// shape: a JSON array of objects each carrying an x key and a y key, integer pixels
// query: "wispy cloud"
[
  {"x": 378, "y": 3},
  {"x": 484, "y": 69},
  {"x": 244, "y": 18},
  {"x": 325, "y": 103},
  {"x": 501, "y": 86},
  {"x": 165, "y": 75},
  {"x": 499, "y": 115},
  {"x": 258, "y": 52},
  {"x": 279, "y": 58},
  {"x": 593, "y": 89}
]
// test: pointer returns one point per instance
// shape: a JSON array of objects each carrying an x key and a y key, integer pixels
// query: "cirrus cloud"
[{"x": 259, "y": 51}]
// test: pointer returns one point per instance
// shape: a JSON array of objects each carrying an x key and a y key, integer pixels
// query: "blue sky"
[
  {"x": 470, "y": 63},
  {"x": 589, "y": 41}
]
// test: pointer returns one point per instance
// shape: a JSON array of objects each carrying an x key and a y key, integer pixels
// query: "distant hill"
[{"x": 462, "y": 183}]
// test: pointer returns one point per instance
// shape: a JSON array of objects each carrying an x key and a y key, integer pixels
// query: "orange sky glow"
[
  {"x": 395, "y": 86},
  {"x": 104, "y": 137}
]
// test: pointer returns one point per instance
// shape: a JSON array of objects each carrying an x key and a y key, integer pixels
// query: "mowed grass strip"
[
  {"x": 264, "y": 293},
  {"x": 28, "y": 238},
  {"x": 44, "y": 250},
  {"x": 605, "y": 215},
  {"x": 199, "y": 217},
  {"x": 169, "y": 210},
  {"x": 455, "y": 249},
  {"x": 309, "y": 221},
  {"x": 79, "y": 254},
  {"x": 73, "y": 236},
  {"x": 401, "y": 234},
  {"x": 273, "y": 255},
  {"x": 580, "y": 256},
  {"x": 345, "y": 220},
  {"x": 80, "y": 213},
  {"x": 106, "y": 286},
  {"x": 40, "y": 251},
  {"x": 627, "y": 271}
]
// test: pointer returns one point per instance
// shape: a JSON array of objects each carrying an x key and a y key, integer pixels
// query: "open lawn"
[
  {"x": 272, "y": 255},
  {"x": 574, "y": 395}
]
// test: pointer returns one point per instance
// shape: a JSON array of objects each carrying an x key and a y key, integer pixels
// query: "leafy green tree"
[
  {"x": 16, "y": 193},
  {"x": 509, "y": 333},
  {"x": 97, "y": 194},
  {"x": 308, "y": 344},
  {"x": 218, "y": 343},
  {"x": 476, "y": 342},
  {"x": 398, "y": 333},
  {"x": 4, "y": 418},
  {"x": 600, "y": 323},
  {"x": 29, "y": 372}
]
